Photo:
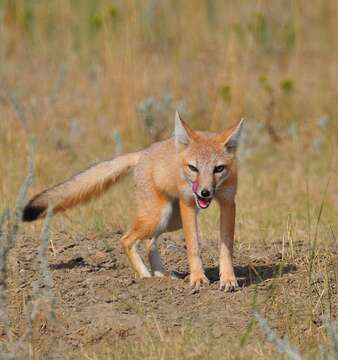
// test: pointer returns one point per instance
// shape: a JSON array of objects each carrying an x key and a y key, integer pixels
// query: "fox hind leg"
[
  {"x": 148, "y": 225},
  {"x": 155, "y": 261},
  {"x": 129, "y": 242}
]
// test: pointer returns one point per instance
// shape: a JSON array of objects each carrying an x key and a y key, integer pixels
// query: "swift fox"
[{"x": 174, "y": 179}]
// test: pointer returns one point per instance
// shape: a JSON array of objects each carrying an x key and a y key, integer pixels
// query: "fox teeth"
[{"x": 202, "y": 203}]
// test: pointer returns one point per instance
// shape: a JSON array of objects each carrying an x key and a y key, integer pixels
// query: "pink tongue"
[{"x": 203, "y": 203}]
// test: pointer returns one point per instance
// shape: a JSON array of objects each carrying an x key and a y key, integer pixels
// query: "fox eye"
[
  {"x": 219, "y": 169},
  {"x": 192, "y": 168}
]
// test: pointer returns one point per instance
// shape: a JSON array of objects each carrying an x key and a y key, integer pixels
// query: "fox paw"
[
  {"x": 197, "y": 281},
  {"x": 228, "y": 285}
]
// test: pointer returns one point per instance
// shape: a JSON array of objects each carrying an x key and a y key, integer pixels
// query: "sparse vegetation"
[{"x": 85, "y": 80}]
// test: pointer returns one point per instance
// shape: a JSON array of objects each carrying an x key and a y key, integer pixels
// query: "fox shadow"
[
  {"x": 253, "y": 274},
  {"x": 71, "y": 264},
  {"x": 246, "y": 274}
]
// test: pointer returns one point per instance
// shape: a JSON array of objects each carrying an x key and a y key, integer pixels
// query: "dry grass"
[{"x": 72, "y": 74}]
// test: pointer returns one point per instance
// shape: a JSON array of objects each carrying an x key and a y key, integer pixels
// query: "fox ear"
[
  {"x": 230, "y": 137},
  {"x": 183, "y": 134}
]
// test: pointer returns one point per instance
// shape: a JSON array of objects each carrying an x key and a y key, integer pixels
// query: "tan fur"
[
  {"x": 171, "y": 178},
  {"x": 84, "y": 186}
]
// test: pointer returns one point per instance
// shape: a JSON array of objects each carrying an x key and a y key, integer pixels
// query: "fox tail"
[{"x": 80, "y": 188}]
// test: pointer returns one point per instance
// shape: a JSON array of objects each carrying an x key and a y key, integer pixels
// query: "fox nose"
[{"x": 205, "y": 193}]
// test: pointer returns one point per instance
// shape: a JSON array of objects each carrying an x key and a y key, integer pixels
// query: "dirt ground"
[{"x": 98, "y": 300}]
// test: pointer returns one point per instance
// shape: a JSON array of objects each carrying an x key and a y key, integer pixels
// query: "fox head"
[{"x": 207, "y": 159}]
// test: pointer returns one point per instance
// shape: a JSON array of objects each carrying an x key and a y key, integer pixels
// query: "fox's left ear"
[{"x": 230, "y": 137}]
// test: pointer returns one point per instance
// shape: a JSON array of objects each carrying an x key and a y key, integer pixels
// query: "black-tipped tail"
[{"x": 31, "y": 213}]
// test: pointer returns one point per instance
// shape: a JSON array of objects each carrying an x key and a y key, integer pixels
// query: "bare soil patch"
[{"x": 98, "y": 301}]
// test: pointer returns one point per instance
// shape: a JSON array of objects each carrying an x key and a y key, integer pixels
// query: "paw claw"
[
  {"x": 197, "y": 282},
  {"x": 228, "y": 285}
]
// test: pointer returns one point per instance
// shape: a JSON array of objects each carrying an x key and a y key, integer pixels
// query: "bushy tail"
[{"x": 80, "y": 188}]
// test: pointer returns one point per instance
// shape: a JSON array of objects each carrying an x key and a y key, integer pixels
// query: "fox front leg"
[
  {"x": 228, "y": 280},
  {"x": 190, "y": 229}
]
